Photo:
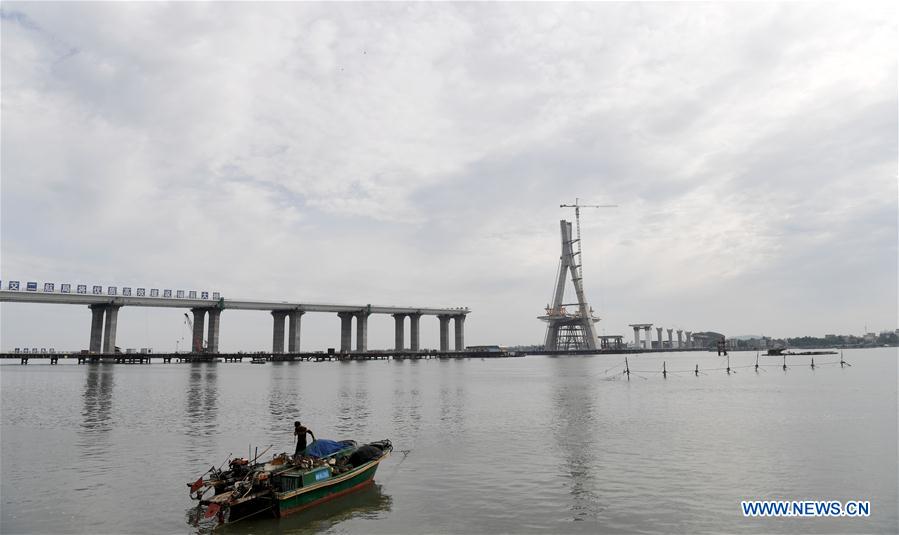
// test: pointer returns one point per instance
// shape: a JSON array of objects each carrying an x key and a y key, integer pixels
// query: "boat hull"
[
  {"x": 294, "y": 502},
  {"x": 281, "y": 488}
]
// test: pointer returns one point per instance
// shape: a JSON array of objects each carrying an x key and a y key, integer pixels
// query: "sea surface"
[{"x": 519, "y": 445}]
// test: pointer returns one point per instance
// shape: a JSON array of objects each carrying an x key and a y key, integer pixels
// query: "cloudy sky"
[{"x": 417, "y": 154}]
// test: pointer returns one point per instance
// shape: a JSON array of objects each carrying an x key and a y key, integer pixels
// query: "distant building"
[{"x": 706, "y": 339}]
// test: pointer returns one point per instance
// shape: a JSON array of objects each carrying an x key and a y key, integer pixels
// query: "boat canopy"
[{"x": 323, "y": 447}]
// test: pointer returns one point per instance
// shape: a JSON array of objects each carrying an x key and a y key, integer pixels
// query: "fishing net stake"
[
  {"x": 785, "y": 363},
  {"x": 697, "y": 370},
  {"x": 843, "y": 362},
  {"x": 664, "y": 371},
  {"x": 627, "y": 369}
]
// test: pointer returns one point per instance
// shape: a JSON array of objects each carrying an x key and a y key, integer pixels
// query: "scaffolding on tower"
[{"x": 571, "y": 330}]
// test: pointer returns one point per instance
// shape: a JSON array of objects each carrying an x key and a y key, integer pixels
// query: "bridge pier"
[
  {"x": 97, "y": 311},
  {"x": 659, "y": 336},
  {"x": 196, "y": 345},
  {"x": 670, "y": 341},
  {"x": 444, "y": 332},
  {"x": 112, "y": 321},
  {"x": 362, "y": 331},
  {"x": 399, "y": 334},
  {"x": 460, "y": 332},
  {"x": 293, "y": 330},
  {"x": 680, "y": 338},
  {"x": 689, "y": 338},
  {"x": 206, "y": 318},
  {"x": 346, "y": 331},
  {"x": 414, "y": 332},
  {"x": 278, "y": 331},
  {"x": 212, "y": 337}
]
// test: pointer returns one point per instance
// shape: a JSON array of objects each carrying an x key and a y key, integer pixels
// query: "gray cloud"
[{"x": 417, "y": 154}]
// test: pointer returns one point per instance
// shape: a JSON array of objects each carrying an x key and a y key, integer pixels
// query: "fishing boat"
[{"x": 287, "y": 484}]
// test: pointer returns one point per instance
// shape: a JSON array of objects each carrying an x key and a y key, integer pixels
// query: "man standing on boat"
[{"x": 300, "y": 433}]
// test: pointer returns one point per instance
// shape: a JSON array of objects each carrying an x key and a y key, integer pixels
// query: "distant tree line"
[{"x": 886, "y": 338}]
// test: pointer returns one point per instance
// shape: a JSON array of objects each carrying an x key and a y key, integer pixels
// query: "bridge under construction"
[
  {"x": 566, "y": 329},
  {"x": 105, "y": 309},
  {"x": 571, "y": 327}
]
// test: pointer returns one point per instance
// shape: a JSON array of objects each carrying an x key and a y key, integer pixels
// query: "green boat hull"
[{"x": 304, "y": 498}]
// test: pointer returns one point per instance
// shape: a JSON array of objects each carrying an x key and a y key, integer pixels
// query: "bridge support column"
[
  {"x": 112, "y": 321},
  {"x": 278, "y": 331},
  {"x": 460, "y": 332},
  {"x": 680, "y": 338},
  {"x": 551, "y": 342},
  {"x": 659, "y": 336},
  {"x": 293, "y": 330},
  {"x": 636, "y": 337},
  {"x": 97, "y": 327},
  {"x": 444, "y": 332},
  {"x": 414, "y": 336},
  {"x": 362, "y": 331},
  {"x": 399, "y": 334},
  {"x": 212, "y": 333},
  {"x": 648, "y": 332},
  {"x": 670, "y": 341},
  {"x": 346, "y": 331},
  {"x": 689, "y": 338},
  {"x": 199, "y": 326}
]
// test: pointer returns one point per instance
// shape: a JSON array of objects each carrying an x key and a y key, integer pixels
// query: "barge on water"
[
  {"x": 783, "y": 351},
  {"x": 287, "y": 484}
]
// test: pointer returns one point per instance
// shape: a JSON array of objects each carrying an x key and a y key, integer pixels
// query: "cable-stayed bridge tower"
[{"x": 567, "y": 329}]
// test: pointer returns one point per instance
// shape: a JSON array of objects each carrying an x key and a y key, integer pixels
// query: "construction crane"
[
  {"x": 190, "y": 328},
  {"x": 571, "y": 330},
  {"x": 577, "y": 218},
  {"x": 198, "y": 344}
]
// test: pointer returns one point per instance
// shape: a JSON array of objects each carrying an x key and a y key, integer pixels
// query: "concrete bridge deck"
[
  {"x": 207, "y": 313},
  {"x": 223, "y": 304}
]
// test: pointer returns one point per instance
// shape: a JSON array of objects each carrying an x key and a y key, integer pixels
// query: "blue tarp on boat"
[{"x": 323, "y": 447}]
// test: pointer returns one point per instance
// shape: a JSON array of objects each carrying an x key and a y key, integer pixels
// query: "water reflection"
[
  {"x": 353, "y": 408},
  {"x": 452, "y": 398},
  {"x": 94, "y": 441},
  {"x": 202, "y": 398},
  {"x": 406, "y": 399},
  {"x": 574, "y": 415},
  {"x": 97, "y": 396},
  {"x": 285, "y": 397}
]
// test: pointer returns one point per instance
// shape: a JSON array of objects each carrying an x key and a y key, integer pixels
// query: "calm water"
[{"x": 512, "y": 445}]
